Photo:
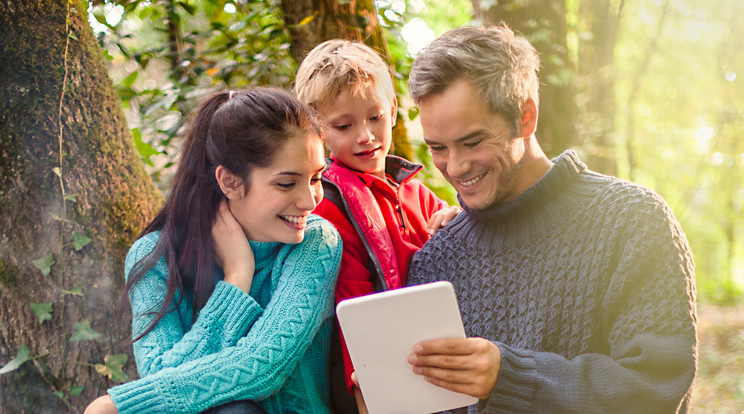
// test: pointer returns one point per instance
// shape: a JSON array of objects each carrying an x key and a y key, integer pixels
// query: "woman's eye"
[
  {"x": 315, "y": 179},
  {"x": 342, "y": 127},
  {"x": 285, "y": 186}
]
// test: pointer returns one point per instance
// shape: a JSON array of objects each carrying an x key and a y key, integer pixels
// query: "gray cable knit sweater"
[{"x": 586, "y": 284}]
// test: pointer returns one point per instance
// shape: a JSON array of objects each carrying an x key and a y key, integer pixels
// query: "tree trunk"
[
  {"x": 311, "y": 22},
  {"x": 597, "y": 74},
  {"x": 544, "y": 25},
  {"x": 72, "y": 188}
]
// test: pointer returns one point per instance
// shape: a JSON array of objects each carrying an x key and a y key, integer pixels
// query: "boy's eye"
[
  {"x": 315, "y": 179},
  {"x": 377, "y": 117}
]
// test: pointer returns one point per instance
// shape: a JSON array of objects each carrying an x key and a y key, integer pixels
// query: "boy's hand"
[
  {"x": 441, "y": 218},
  {"x": 465, "y": 365},
  {"x": 232, "y": 250}
]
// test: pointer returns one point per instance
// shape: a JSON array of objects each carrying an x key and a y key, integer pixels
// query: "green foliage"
[
  {"x": 167, "y": 56},
  {"x": 84, "y": 332},
  {"x": 112, "y": 367},
  {"x": 15, "y": 363},
  {"x": 43, "y": 311},
  {"x": 45, "y": 264},
  {"x": 79, "y": 240}
]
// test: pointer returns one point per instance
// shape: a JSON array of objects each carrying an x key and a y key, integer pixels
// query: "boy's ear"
[
  {"x": 394, "y": 109},
  {"x": 230, "y": 184}
]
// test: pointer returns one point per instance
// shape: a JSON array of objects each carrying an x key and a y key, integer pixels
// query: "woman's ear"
[{"x": 230, "y": 184}]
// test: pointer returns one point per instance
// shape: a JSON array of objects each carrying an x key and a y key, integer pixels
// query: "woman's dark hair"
[{"x": 240, "y": 130}]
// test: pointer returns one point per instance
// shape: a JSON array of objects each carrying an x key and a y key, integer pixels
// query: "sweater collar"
[
  {"x": 263, "y": 250},
  {"x": 566, "y": 167}
]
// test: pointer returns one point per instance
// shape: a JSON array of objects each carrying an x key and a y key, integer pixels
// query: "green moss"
[{"x": 9, "y": 274}]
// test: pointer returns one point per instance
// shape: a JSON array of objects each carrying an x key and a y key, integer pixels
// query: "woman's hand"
[
  {"x": 232, "y": 250},
  {"x": 102, "y": 405},
  {"x": 361, "y": 405},
  {"x": 441, "y": 218}
]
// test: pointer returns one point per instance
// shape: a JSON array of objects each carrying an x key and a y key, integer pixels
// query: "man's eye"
[
  {"x": 436, "y": 147},
  {"x": 472, "y": 144}
]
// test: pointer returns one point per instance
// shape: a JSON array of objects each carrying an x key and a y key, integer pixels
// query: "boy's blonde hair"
[{"x": 336, "y": 66}]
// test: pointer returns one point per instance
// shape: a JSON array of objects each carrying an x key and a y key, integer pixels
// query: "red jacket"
[{"x": 392, "y": 220}]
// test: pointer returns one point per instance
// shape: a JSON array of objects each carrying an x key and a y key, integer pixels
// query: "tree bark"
[
  {"x": 68, "y": 171},
  {"x": 544, "y": 25},
  {"x": 311, "y": 22},
  {"x": 600, "y": 18}
]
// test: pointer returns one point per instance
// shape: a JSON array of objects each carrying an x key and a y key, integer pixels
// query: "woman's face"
[{"x": 273, "y": 205}]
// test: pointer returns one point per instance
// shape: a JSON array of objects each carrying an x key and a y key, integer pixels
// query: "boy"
[{"x": 382, "y": 214}]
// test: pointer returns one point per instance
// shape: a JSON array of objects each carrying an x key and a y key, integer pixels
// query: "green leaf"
[
  {"x": 79, "y": 240},
  {"x": 43, "y": 311},
  {"x": 76, "y": 390},
  {"x": 60, "y": 394},
  {"x": 73, "y": 36},
  {"x": 16, "y": 362},
  {"x": 129, "y": 80},
  {"x": 58, "y": 218},
  {"x": 77, "y": 291},
  {"x": 145, "y": 150},
  {"x": 112, "y": 367},
  {"x": 308, "y": 19},
  {"x": 83, "y": 331},
  {"x": 71, "y": 197},
  {"x": 57, "y": 171},
  {"x": 45, "y": 264}
]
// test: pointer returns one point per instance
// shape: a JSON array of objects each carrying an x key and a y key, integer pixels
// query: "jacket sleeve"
[
  {"x": 227, "y": 316},
  {"x": 354, "y": 277},
  {"x": 650, "y": 341},
  {"x": 259, "y": 363}
]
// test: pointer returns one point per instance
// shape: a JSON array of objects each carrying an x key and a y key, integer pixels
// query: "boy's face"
[{"x": 360, "y": 129}]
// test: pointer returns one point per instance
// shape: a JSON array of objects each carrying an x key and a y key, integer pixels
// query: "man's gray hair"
[{"x": 502, "y": 67}]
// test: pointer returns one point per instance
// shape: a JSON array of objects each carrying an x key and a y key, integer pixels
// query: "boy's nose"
[{"x": 365, "y": 135}]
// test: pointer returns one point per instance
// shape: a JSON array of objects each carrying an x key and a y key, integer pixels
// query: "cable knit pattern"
[
  {"x": 585, "y": 282},
  {"x": 270, "y": 346}
]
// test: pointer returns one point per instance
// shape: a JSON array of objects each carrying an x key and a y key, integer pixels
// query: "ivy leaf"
[
  {"x": 43, "y": 311},
  {"x": 76, "y": 390},
  {"x": 79, "y": 240},
  {"x": 45, "y": 264},
  {"x": 71, "y": 197},
  {"x": 84, "y": 331},
  {"x": 60, "y": 394},
  {"x": 112, "y": 367},
  {"x": 57, "y": 171},
  {"x": 16, "y": 362}
]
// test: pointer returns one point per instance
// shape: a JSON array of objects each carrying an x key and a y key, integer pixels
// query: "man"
[{"x": 577, "y": 289}]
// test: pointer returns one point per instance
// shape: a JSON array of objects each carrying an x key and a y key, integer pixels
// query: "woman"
[{"x": 231, "y": 285}]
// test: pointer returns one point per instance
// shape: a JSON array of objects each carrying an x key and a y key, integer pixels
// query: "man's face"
[{"x": 473, "y": 147}]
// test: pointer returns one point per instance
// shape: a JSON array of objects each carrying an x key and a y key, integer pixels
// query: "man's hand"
[
  {"x": 466, "y": 365},
  {"x": 440, "y": 218}
]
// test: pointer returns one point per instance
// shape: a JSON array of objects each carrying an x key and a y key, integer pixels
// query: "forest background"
[{"x": 648, "y": 90}]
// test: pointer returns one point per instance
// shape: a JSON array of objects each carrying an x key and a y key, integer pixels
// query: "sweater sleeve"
[
  {"x": 651, "y": 346},
  {"x": 227, "y": 316},
  {"x": 259, "y": 363}
]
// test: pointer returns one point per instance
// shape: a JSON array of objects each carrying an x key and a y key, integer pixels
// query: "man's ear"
[
  {"x": 528, "y": 118},
  {"x": 230, "y": 184}
]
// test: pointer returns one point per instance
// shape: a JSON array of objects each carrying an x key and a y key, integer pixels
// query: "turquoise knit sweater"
[{"x": 270, "y": 346}]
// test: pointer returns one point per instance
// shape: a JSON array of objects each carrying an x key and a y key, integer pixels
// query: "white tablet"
[{"x": 381, "y": 330}]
